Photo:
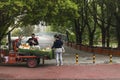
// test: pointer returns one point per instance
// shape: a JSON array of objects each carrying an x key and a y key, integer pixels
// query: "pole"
[
  {"x": 76, "y": 58},
  {"x": 93, "y": 58},
  {"x": 110, "y": 58}
]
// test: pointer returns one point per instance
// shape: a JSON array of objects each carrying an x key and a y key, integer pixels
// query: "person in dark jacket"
[
  {"x": 58, "y": 50},
  {"x": 32, "y": 41}
]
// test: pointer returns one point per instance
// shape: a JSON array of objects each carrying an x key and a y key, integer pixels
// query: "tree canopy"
[{"x": 91, "y": 21}]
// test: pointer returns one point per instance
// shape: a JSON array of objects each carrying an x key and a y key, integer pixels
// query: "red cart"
[{"x": 31, "y": 59}]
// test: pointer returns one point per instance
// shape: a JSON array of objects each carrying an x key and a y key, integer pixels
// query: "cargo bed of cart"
[{"x": 32, "y": 57}]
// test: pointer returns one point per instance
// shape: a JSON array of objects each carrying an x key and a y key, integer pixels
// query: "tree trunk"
[
  {"x": 108, "y": 32},
  {"x": 103, "y": 37},
  {"x": 91, "y": 37},
  {"x": 117, "y": 28},
  {"x": 103, "y": 26},
  {"x": 108, "y": 38},
  {"x": 9, "y": 40},
  {"x": 118, "y": 33},
  {"x": 67, "y": 35},
  {"x": 77, "y": 31}
]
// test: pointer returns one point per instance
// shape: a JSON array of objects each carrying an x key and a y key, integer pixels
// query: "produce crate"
[{"x": 47, "y": 53}]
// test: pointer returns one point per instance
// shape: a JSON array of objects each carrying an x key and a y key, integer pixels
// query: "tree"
[
  {"x": 117, "y": 17},
  {"x": 9, "y": 10},
  {"x": 93, "y": 22},
  {"x": 27, "y": 30},
  {"x": 84, "y": 18}
]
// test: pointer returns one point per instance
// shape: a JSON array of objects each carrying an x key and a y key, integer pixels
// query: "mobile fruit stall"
[{"x": 32, "y": 56}]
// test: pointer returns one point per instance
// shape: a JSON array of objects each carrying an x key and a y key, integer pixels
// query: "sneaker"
[
  {"x": 61, "y": 64},
  {"x": 57, "y": 65}
]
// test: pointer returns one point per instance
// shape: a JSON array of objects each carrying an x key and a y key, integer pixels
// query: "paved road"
[
  {"x": 86, "y": 57},
  {"x": 85, "y": 70}
]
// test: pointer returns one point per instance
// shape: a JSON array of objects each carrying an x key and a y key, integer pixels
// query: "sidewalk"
[{"x": 69, "y": 57}]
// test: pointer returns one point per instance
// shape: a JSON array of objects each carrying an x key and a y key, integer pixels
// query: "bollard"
[
  {"x": 76, "y": 58},
  {"x": 110, "y": 58},
  {"x": 93, "y": 58}
]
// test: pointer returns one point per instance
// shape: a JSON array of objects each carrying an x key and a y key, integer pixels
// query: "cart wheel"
[{"x": 32, "y": 63}]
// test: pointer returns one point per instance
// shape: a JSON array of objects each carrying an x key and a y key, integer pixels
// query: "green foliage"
[
  {"x": 16, "y": 32},
  {"x": 27, "y": 30},
  {"x": 93, "y": 16},
  {"x": 9, "y": 10}
]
